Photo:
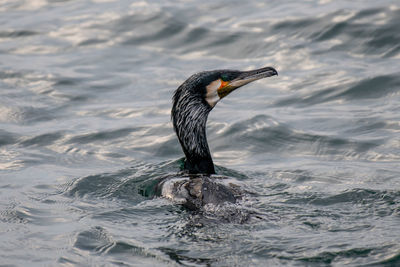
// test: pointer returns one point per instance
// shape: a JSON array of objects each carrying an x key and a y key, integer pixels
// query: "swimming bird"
[{"x": 192, "y": 102}]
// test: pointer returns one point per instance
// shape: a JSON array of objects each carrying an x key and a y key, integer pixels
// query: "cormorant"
[{"x": 192, "y": 102}]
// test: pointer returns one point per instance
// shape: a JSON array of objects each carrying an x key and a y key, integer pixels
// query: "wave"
[
  {"x": 261, "y": 134},
  {"x": 369, "y": 31},
  {"x": 352, "y": 196},
  {"x": 380, "y": 86}
]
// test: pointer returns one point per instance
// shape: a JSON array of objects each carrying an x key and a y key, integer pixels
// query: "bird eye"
[{"x": 224, "y": 77}]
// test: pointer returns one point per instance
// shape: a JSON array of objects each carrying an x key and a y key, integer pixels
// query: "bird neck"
[{"x": 189, "y": 121}]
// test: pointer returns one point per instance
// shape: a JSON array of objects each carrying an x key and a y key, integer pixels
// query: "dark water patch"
[
  {"x": 331, "y": 32},
  {"x": 66, "y": 261},
  {"x": 36, "y": 158},
  {"x": 278, "y": 137},
  {"x": 92, "y": 41},
  {"x": 329, "y": 257},
  {"x": 291, "y": 26},
  {"x": 394, "y": 51},
  {"x": 148, "y": 28},
  {"x": 96, "y": 240},
  {"x": 385, "y": 35},
  {"x": 350, "y": 228},
  {"x": 99, "y": 241},
  {"x": 17, "y": 33},
  {"x": 382, "y": 204},
  {"x": 77, "y": 99},
  {"x": 179, "y": 256},
  {"x": 32, "y": 115},
  {"x": 166, "y": 31},
  {"x": 42, "y": 140},
  {"x": 367, "y": 125},
  {"x": 67, "y": 82},
  {"x": 329, "y": 29},
  {"x": 7, "y": 138},
  {"x": 368, "y": 12},
  {"x": 379, "y": 86},
  {"x": 391, "y": 261},
  {"x": 10, "y": 74},
  {"x": 223, "y": 171},
  {"x": 359, "y": 196},
  {"x": 376, "y": 87},
  {"x": 229, "y": 45},
  {"x": 279, "y": 187},
  {"x": 358, "y": 32},
  {"x": 307, "y": 27},
  {"x": 366, "y": 38},
  {"x": 195, "y": 35},
  {"x": 125, "y": 248},
  {"x": 179, "y": 37},
  {"x": 101, "y": 136},
  {"x": 107, "y": 87},
  {"x": 120, "y": 215}
]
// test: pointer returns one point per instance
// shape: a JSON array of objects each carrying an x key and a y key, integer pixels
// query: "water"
[{"x": 85, "y": 130}]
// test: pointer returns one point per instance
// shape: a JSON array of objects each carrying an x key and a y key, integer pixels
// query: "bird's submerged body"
[
  {"x": 194, "y": 191},
  {"x": 192, "y": 102}
]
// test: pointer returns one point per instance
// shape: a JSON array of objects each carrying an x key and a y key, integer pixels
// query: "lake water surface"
[{"x": 85, "y": 130}]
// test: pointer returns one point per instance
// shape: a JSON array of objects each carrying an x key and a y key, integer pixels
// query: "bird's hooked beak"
[
  {"x": 244, "y": 78},
  {"x": 231, "y": 80}
]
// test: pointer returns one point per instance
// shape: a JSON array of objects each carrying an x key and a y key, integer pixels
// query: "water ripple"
[
  {"x": 85, "y": 132},
  {"x": 278, "y": 137},
  {"x": 368, "y": 88}
]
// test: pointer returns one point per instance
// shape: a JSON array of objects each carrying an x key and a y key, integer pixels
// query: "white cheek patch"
[{"x": 212, "y": 92}]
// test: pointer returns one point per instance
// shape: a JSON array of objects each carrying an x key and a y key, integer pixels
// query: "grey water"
[{"x": 85, "y": 132}]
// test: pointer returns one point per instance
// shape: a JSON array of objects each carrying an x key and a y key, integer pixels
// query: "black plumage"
[{"x": 193, "y": 101}]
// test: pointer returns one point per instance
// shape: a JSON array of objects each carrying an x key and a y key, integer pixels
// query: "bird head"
[
  {"x": 221, "y": 83},
  {"x": 214, "y": 85}
]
